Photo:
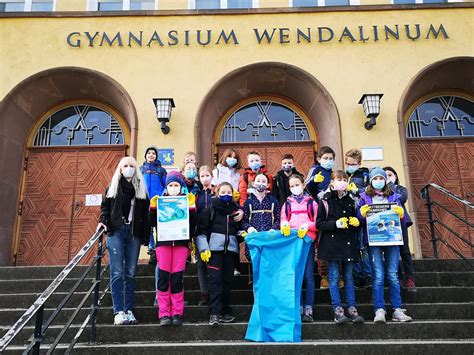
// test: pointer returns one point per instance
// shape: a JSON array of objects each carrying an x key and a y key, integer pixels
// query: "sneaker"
[
  {"x": 227, "y": 318},
  {"x": 400, "y": 316},
  {"x": 152, "y": 260},
  {"x": 354, "y": 316},
  {"x": 410, "y": 284},
  {"x": 121, "y": 318},
  {"x": 204, "y": 300},
  {"x": 165, "y": 321},
  {"x": 380, "y": 316},
  {"x": 214, "y": 320},
  {"x": 341, "y": 283},
  {"x": 339, "y": 316},
  {"x": 131, "y": 318},
  {"x": 177, "y": 320},
  {"x": 308, "y": 314},
  {"x": 324, "y": 283}
]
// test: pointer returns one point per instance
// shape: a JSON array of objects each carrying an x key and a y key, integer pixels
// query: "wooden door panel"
[{"x": 47, "y": 207}]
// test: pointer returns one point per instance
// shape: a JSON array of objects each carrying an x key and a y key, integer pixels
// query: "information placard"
[
  {"x": 172, "y": 218},
  {"x": 383, "y": 225}
]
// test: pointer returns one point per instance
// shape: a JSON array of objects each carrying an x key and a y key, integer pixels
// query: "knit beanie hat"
[
  {"x": 152, "y": 147},
  {"x": 377, "y": 171},
  {"x": 175, "y": 176}
]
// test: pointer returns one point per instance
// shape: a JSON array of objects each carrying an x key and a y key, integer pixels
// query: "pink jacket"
[{"x": 299, "y": 215}]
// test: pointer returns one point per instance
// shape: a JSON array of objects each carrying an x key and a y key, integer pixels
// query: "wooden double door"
[
  {"x": 448, "y": 163},
  {"x": 55, "y": 221}
]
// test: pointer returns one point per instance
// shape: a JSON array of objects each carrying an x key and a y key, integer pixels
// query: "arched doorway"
[
  {"x": 24, "y": 108},
  {"x": 437, "y": 120},
  {"x": 272, "y": 126},
  {"x": 262, "y": 81}
]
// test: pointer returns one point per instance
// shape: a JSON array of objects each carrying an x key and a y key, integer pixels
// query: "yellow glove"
[
  {"x": 191, "y": 200},
  {"x": 302, "y": 230},
  {"x": 318, "y": 178},
  {"x": 154, "y": 201},
  {"x": 342, "y": 223},
  {"x": 236, "y": 196},
  {"x": 352, "y": 188},
  {"x": 285, "y": 229},
  {"x": 354, "y": 222},
  {"x": 243, "y": 234},
  {"x": 364, "y": 209},
  {"x": 206, "y": 255},
  {"x": 399, "y": 210}
]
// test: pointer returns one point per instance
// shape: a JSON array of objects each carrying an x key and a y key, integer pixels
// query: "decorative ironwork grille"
[
  {"x": 264, "y": 121},
  {"x": 442, "y": 116},
  {"x": 79, "y": 125}
]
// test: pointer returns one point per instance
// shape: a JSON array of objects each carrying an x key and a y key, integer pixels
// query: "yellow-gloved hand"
[
  {"x": 352, "y": 188},
  {"x": 243, "y": 234},
  {"x": 154, "y": 201},
  {"x": 354, "y": 222},
  {"x": 318, "y": 178},
  {"x": 285, "y": 229},
  {"x": 191, "y": 200},
  {"x": 399, "y": 210},
  {"x": 236, "y": 196},
  {"x": 364, "y": 209},
  {"x": 206, "y": 255},
  {"x": 342, "y": 223},
  {"x": 302, "y": 230}
]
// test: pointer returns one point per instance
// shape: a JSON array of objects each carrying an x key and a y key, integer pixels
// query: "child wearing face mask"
[
  {"x": 319, "y": 176},
  {"x": 171, "y": 257},
  {"x": 261, "y": 209},
  {"x": 228, "y": 170},
  {"x": 255, "y": 167},
  {"x": 218, "y": 247},
  {"x": 299, "y": 212},
  {"x": 338, "y": 244},
  {"x": 384, "y": 259},
  {"x": 281, "y": 186}
]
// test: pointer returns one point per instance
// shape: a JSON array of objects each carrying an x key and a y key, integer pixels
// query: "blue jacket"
[
  {"x": 316, "y": 189},
  {"x": 155, "y": 177},
  {"x": 262, "y": 216}
]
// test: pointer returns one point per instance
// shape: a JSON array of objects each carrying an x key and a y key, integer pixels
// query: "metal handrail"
[
  {"x": 425, "y": 193},
  {"x": 37, "y": 308}
]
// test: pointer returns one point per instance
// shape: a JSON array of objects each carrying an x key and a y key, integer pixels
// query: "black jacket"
[
  {"x": 336, "y": 244},
  {"x": 281, "y": 185},
  {"x": 111, "y": 214},
  {"x": 219, "y": 218}
]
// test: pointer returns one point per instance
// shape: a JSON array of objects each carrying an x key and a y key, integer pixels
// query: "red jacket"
[{"x": 246, "y": 182}]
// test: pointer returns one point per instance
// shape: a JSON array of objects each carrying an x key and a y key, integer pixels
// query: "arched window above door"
[
  {"x": 442, "y": 116},
  {"x": 79, "y": 125},
  {"x": 264, "y": 121}
]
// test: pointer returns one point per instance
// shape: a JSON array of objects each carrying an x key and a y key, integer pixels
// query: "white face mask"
[
  {"x": 173, "y": 190},
  {"x": 128, "y": 172},
  {"x": 206, "y": 180},
  {"x": 297, "y": 190},
  {"x": 392, "y": 179}
]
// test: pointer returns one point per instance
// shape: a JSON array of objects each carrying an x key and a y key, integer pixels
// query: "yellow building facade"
[{"x": 316, "y": 61}]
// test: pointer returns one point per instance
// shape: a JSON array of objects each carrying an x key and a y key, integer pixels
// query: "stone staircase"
[{"x": 442, "y": 309}]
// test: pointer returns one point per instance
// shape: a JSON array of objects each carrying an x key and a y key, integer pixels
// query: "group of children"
[{"x": 329, "y": 206}]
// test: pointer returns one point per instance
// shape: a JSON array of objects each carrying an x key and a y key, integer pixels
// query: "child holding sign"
[{"x": 384, "y": 259}]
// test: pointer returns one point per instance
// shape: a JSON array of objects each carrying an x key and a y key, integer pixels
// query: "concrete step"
[
  {"x": 245, "y": 297},
  {"x": 320, "y": 347},
  {"x": 196, "y": 314},
  {"x": 147, "y": 283},
  {"x": 191, "y": 332}
]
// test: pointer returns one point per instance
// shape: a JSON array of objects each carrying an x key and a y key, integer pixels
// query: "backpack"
[
  {"x": 309, "y": 209},
  {"x": 252, "y": 211}
]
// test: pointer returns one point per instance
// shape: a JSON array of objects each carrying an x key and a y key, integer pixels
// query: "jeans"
[
  {"x": 123, "y": 251},
  {"x": 309, "y": 277},
  {"x": 385, "y": 264},
  {"x": 151, "y": 242},
  {"x": 362, "y": 268},
  {"x": 333, "y": 275}
]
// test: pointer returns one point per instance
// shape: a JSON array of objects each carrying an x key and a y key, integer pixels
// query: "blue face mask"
[
  {"x": 378, "y": 185},
  {"x": 255, "y": 166},
  {"x": 327, "y": 164},
  {"x": 351, "y": 169},
  {"x": 231, "y": 162},
  {"x": 225, "y": 198},
  {"x": 190, "y": 174}
]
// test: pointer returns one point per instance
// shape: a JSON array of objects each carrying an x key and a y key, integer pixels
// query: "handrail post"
[
  {"x": 38, "y": 331},
  {"x": 93, "y": 333},
  {"x": 426, "y": 195}
]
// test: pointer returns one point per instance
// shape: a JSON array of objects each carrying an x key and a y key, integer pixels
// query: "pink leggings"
[{"x": 170, "y": 293}]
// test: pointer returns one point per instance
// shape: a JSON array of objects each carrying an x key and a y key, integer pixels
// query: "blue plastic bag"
[{"x": 278, "y": 267}]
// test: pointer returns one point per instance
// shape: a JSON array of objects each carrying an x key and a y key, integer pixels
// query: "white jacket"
[{"x": 224, "y": 174}]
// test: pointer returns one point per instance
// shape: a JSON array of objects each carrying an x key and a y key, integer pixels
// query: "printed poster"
[
  {"x": 166, "y": 156},
  {"x": 173, "y": 218},
  {"x": 383, "y": 225}
]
